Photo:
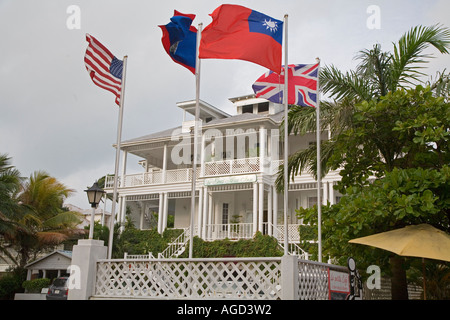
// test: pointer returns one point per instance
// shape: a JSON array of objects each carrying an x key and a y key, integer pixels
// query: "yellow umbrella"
[{"x": 421, "y": 240}]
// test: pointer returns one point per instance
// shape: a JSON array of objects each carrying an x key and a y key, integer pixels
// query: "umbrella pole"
[{"x": 423, "y": 279}]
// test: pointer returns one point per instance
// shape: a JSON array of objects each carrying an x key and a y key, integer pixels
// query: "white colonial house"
[{"x": 238, "y": 160}]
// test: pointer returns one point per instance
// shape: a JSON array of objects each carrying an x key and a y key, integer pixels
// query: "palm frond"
[
  {"x": 374, "y": 66},
  {"x": 409, "y": 55},
  {"x": 65, "y": 219},
  {"x": 339, "y": 85}
]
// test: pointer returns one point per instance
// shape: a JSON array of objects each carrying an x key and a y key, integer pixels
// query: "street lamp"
[{"x": 94, "y": 194}]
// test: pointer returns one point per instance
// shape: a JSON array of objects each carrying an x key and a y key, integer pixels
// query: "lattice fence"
[
  {"x": 225, "y": 278},
  {"x": 190, "y": 279}
]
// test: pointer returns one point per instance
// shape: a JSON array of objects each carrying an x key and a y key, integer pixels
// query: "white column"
[
  {"x": 160, "y": 212},
  {"x": 206, "y": 212},
  {"x": 210, "y": 214},
  {"x": 255, "y": 207},
  {"x": 165, "y": 163},
  {"x": 166, "y": 211},
  {"x": 202, "y": 157},
  {"x": 141, "y": 220},
  {"x": 262, "y": 149},
  {"x": 124, "y": 168},
  {"x": 331, "y": 192},
  {"x": 275, "y": 211},
  {"x": 324, "y": 193},
  {"x": 123, "y": 209},
  {"x": 200, "y": 212},
  {"x": 269, "y": 210},
  {"x": 119, "y": 213},
  {"x": 261, "y": 207}
]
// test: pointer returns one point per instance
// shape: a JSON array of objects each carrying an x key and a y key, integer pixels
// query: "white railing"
[
  {"x": 234, "y": 166},
  {"x": 231, "y": 231},
  {"x": 224, "y": 278},
  {"x": 213, "y": 168},
  {"x": 177, "y": 246}
]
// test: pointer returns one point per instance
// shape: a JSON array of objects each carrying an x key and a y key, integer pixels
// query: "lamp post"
[{"x": 94, "y": 194}]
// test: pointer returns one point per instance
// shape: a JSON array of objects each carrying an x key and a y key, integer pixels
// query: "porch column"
[
  {"x": 124, "y": 168},
  {"x": 331, "y": 191},
  {"x": 324, "y": 193},
  {"x": 255, "y": 207},
  {"x": 269, "y": 210},
  {"x": 141, "y": 220},
  {"x": 164, "y": 177},
  {"x": 160, "y": 212},
  {"x": 165, "y": 211},
  {"x": 275, "y": 211},
  {"x": 200, "y": 212},
  {"x": 210, "y": 214},
  {"x": 123, "y": 209},
  {"x": 262, "y": 148},
  {"x": 202, "y": 157},
  {"x": 261, "y": 208},
  {"x": 206, "y": 212}
]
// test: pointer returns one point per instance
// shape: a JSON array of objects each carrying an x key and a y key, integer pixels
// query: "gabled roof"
[{"x": 65, "y": 253}]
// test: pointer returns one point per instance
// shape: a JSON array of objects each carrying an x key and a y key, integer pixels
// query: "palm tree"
[
  {"x": 48, "y": 223},
  {"x": 10, "y": 182},
  {"x": 377, "y": 74}
]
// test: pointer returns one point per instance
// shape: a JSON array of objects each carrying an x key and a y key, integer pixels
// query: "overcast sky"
[{"x": 53, "y": 118}]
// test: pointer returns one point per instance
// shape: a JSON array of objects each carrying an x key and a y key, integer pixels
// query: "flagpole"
[
  {"x": 319, "y": 179},
  {"x": 286, "y": 135},
  {"x": 194, "y": 165},
  {"x": 116, "y": 169}
]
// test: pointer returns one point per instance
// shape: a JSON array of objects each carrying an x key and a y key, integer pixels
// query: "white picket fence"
[{"x": 284, "y": 277}]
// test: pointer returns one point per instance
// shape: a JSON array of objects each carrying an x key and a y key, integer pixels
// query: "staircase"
[{"x": 178, "y": 246}]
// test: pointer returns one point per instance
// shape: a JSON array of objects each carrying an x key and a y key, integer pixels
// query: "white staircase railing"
[{"x": 176, "y": 247}]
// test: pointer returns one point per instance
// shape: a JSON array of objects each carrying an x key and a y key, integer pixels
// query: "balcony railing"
[{"x": 210, "y": 169}]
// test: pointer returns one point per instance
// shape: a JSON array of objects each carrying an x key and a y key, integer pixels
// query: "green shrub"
[
  {"x": 12, "y": 283},
  {"x": 36, "y": 285},
  {"x": 260, "y": 246}
]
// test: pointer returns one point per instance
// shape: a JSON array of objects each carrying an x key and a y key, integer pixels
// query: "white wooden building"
[
  {"x": 50, "y": 266},
  {"x": 237, "y": 168}
]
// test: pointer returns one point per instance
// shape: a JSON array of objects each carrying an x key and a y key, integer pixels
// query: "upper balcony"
[{"x": 210, "y": 169}]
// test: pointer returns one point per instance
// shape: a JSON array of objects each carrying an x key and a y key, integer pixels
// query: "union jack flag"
[{"x": 302, "y": 85}]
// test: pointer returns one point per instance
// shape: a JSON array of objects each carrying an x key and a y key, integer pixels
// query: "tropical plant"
[
  {"x": 377, "y": 74},
  {"x": 45, "y": 222}
]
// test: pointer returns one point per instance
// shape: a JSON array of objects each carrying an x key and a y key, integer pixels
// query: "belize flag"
[
  {"x": 237, "y": 32},
  {"x": 179, "y": 39},
  {"x": 302, "y": 85}
]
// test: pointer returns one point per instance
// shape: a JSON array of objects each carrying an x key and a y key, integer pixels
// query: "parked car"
[{"x": 59, "y": 289}]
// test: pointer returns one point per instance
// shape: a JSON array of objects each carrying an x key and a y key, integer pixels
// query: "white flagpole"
[
  {"x": 286, "y": 135},
  {"x": 194, "y": 165},
  {"x": 319, "y": 179},
  {"x": 116, "y": 169}
]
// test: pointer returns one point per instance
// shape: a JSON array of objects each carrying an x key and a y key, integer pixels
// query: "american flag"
[
  {"x": 104, "y": 68},
  {"x": 302, "y": 85}
]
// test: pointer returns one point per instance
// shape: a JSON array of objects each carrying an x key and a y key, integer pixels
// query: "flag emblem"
[
  {"x": 103, "y": 67},
  {"x": 180, "y": 40},
  {"x": 302, "y": 85},
  {"x": 237, "y": 32}
]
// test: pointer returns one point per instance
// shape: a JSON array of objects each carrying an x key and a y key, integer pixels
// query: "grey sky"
[{"x": 54, "y": 118}]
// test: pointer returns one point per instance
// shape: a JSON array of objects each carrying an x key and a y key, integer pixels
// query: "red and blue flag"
[
  {"x": 237, "y": 32},
  {"x": 179, "y": 39},
  {"x": 302, "y": 85}
]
